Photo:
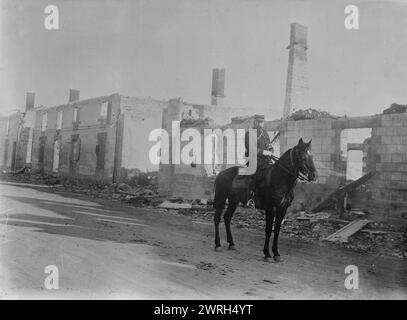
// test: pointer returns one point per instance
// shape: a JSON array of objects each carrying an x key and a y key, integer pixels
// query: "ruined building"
[
  {"x": 383, "y": 151},
  {"x": 107, "y": 138},
  {"x": 103, "y": 138},
  {"x": 9, "y": 128}
]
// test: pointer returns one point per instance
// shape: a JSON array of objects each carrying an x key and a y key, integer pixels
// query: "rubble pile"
[
  {"x": 389, "y": 243},
  {"x": 140, "y": 191},
  {"x": 376, "y": 237},
  {"x": 396, "y": 108},
  {"x": 310, "y": 114},
  {"x": 190, "y": 122}
]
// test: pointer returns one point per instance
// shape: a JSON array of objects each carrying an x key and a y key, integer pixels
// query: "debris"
[
  {"x": 172, "y": 205},
  {"x": 191, "y": 122},
  {"x": 372, "y": 268},
  {"x": 204, "y": 202},
  {"x": 344, "y": 233},
  {"x": 359, "y": 213},
  {"x": 269, "y": 281},
  {"x": 311, "y": 114},
  {"x": 374, "y": 231},
  {"x": 339, "y": 221},
  {"x": 341, "y": 191},
  {"x": 313, "y": 216},
  {"x": 123, "y": 187},
  {"x": 22, "y": 170},
  {"x": 396, "y": 108}
]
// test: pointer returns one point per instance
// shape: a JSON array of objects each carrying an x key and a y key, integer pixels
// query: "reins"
[{"x": 299, "y": 175}]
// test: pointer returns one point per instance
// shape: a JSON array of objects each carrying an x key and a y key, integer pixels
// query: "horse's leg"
[
  {"x": 216, "y": 220},
  {"x": 280, "y": 213},
  {"x": 219, "y": 205},
  {"x": 227, "y": 217},
  {"x": 269, "y": 228}
]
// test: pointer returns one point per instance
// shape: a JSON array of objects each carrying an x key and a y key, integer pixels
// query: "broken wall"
[
  {"x": 85, "y": 147},
  {"x": 385, "y": 194},
  {"x": 196, "y": 181},
  {"x": 140, "y": 118},
  {"x": 25, "y": 144},
  {"x": 328, "y": 161},
  {"x": 388, "y": 155},
  {"x": 9, "y": 130}
]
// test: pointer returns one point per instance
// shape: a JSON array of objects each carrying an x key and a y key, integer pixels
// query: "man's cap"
[{"x": 259, "y": 117}]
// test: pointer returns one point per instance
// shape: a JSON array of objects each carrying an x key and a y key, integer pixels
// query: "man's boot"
[{"x": 251, "y": 204}]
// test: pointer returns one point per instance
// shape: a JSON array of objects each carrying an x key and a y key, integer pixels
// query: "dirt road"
[{"x": 105, "y": 249}]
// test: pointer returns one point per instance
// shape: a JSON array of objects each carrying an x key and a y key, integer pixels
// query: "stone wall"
[
  {"x": 8, "y": 139},
  {"x": 140, "y": 118},
  {"x": 385, "y": 195},
  {"x": 79, "y": 142},
  {"x": 385, "y": 152},
  {"x": 196, "y": 181},
  {"x": 389, "y": 156}
]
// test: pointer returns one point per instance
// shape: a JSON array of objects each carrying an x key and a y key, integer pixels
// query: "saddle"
[{"x": 245, "y": 185}]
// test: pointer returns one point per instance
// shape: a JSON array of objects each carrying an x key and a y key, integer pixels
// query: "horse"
[{"x": 278, "y": 181}]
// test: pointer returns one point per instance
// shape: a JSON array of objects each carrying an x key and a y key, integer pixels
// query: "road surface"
[{"x": 109, "y": 250}]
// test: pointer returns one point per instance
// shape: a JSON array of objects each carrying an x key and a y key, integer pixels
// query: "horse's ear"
[{"x": 300, "y": 142}]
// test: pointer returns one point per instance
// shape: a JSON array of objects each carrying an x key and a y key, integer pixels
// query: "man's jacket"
[{"x": 263, "y": 143}]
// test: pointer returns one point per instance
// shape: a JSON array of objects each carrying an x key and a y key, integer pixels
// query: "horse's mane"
[{"x": 275, "y": 165}]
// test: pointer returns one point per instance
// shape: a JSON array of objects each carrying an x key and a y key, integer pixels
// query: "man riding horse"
[{"x": 264, "y": 153}]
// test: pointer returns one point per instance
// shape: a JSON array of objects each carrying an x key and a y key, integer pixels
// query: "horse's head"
[{"x": 305, "y": 159}]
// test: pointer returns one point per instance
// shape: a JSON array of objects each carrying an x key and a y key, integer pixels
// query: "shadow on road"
[{"x": 75, "y": 220}]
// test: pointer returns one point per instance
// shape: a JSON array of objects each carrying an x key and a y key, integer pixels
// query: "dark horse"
[{"x": 278, "y": 181}]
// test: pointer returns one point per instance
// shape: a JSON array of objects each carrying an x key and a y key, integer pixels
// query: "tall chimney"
[
  {"x": 296, "y": 95},
  {"x": 218, "y": 86},
  {"x": 73, "y": 95},
  {"x": 29, "y": 101}
]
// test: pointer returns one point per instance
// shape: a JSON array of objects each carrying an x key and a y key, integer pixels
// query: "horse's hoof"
[
  {"x": 218, "y": 248},
  {"x": 268, "y": 259},
  {"x": 232, "y": 247},
  {"x": 277, "y": 259}
]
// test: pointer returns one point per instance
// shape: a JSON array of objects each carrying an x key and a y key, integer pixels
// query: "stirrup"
[{"x": 250, "y": 204}]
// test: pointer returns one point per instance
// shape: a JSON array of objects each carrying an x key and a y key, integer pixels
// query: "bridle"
[{"x": 298, "y": 175}]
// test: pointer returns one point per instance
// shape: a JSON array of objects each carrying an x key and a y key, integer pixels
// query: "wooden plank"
[
  {"x": 344, "y": 233},
  {"x": 171, "y": 205},
  {"x": 341, "y": 192}
]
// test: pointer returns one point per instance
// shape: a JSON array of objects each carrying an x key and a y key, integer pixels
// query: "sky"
[{"x": 167, "y": 48}]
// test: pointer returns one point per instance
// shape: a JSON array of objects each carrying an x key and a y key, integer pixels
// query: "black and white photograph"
[{"x": 203, "y": 150}]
